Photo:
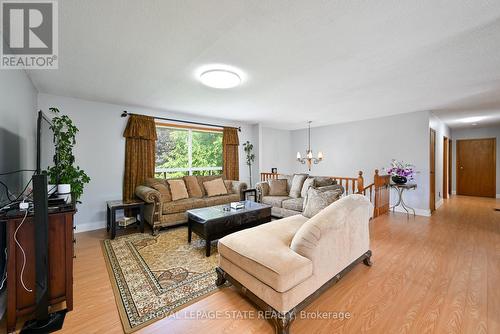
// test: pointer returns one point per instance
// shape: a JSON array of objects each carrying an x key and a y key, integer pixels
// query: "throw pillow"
[
  {"x": 178, "y": 189},
  {"x": 322, "y": 181},
  {"x": 202, "y": 179},
  {"x": 164, "y": 191},
  {"x": 229, "y": 186},
  {"x": 193, "y": 187},
  {"x": 317, "y": 200},
  {"x": 332, "y": 187},
  {"x": 215, "y": 187},
  {"x": 277, "y": 187},
  {"x": 297, "y": 182},
  {"x": 309, "y": 182}
]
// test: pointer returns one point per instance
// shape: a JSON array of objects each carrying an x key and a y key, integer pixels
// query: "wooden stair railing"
[
  {"x": 352, "y": 185},
  {"x": 377, "y": 191}
]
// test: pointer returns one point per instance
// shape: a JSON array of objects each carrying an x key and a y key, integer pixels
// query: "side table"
[
  {"x": 400, "y": 188},
  {"x": 112, "y": 206},
  {"x": 250, "y": 192}
]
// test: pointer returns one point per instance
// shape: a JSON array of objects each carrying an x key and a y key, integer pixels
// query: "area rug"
[{"x": 155, "y": 276}]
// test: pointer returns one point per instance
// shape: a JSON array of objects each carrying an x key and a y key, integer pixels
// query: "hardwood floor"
[{"x": 430, "y": 275}]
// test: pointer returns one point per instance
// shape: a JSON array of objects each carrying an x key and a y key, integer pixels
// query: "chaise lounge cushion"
[
  {"x": 295, "y": 204},
  {"x": 274, "y": 200},
  {"x": 272, "y": 262}
]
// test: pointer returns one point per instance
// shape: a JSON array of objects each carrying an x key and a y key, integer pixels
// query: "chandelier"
[{"x": 309, "y": 158}]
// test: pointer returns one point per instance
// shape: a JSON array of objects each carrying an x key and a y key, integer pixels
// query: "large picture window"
[{"x": 182, "y": 151}]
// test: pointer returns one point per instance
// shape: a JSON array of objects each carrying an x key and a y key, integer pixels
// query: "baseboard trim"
[
  {"x": 498, "y": 195},
  {"x": 453, "y": 192},
  {"x": 439, "y": 203},
  {"x": 418, "y": 212},
  {"x": 89, "y": 226}
]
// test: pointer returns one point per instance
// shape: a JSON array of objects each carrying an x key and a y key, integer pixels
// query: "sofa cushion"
[
  {"x": 298, "y": 181},
  {"x": 193, "y": 187},
  {"x": 215, "y": 187},
  {"x": 322, "y": 181},
  {"x": 317, "y": 200},
  {"x": 222, "y": 199},
  {"x": 295, "y": 204},
  {"x": 274, "y": 200},
  {"x": 229, "y": 186},
  {"x": 183, "y": 205},
  {"x": 272, "y": 262},
  {"x": 178, "y": 189},
  {"x": 309, "y": 182},
  {"x": 278, "y": 187}
]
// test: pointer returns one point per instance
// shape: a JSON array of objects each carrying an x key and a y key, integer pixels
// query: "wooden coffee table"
[{"x": 215, "y": 222}]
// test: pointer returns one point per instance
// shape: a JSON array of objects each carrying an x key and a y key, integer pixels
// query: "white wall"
[
  {"x": 275, "y": 150},
  {"x": 442, "y": 130},
  {"x": 476, "y": 133},
  {"x": 18, "y": 114},
  {"x": 100, "y": 149},
  {"x": 371, "y": 144}
]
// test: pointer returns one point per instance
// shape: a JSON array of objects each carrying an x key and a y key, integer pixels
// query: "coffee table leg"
[
  {"x": 207, "y": 247},
  {"x": 189, "y": 231}
]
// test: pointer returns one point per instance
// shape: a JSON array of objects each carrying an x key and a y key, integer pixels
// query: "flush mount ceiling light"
[
  {"x": 472, "y": 119},
  {"x": 220, "y": 78}
]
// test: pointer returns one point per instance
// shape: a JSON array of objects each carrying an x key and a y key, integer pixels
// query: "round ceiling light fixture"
[
  {"x": 220, "y": 78},
  {"x": 474, "y": 119}
]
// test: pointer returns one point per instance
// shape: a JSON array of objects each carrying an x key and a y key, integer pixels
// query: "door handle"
[{"x": 461, "y": 167}]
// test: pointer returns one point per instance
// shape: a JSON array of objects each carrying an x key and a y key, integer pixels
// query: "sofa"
[
  {"x": 290, "y": 202},
  {"x": 162, "y": 209},
  {"x": 283, "y": 265}
]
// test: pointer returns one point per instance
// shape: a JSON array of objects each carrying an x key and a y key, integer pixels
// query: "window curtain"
[
  {"x": 140, "y": 140},
  {"x": 230, "y": 143}
]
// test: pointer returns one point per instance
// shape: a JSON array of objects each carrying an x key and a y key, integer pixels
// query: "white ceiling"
[{"x": 325, "y": 61}]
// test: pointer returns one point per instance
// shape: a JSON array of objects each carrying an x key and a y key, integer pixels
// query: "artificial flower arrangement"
[{"x": 401, "y": 171}]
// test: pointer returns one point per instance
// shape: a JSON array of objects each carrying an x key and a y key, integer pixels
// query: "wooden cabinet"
[{"x": 19, "y": 300}]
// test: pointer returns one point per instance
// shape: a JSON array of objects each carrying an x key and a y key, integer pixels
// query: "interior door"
[
  {"x": 476, "y": 165},
  {"x": 432, "y": 169},
  {"x": 445, "y": 167},
  {"x": 450, "y": 162}
]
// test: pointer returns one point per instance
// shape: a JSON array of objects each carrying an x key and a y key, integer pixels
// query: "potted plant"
[
  {"x": 64, "y": 173},
  {"x": 401, "y": 172},
  {"x": 248, "y": 147}
]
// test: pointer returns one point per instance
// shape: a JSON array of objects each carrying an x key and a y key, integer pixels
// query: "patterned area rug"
[{"x": 155, "y": 276}]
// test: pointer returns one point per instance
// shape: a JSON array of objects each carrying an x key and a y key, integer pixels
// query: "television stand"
[{"x": 60, "y": 262}]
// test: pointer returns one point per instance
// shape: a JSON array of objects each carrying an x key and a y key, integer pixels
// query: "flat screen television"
[{"x": 44, "y": 321}]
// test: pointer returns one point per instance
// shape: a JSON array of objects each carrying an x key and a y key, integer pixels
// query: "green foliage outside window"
[{"x": 172, "y": 152}]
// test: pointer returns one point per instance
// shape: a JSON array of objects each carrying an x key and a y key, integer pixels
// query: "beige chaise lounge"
[{"x": 283, "y": 265}]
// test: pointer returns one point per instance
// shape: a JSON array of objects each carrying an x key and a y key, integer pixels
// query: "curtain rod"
[{"x": 125, "y": 113}]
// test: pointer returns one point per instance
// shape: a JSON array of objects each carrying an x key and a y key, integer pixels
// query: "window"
[{"x": 187, "y": 151}]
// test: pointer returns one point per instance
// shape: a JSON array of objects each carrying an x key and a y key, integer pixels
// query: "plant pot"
[
  {"x": 64, "y": 189},
  {"x": 399, "y": 179}
]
